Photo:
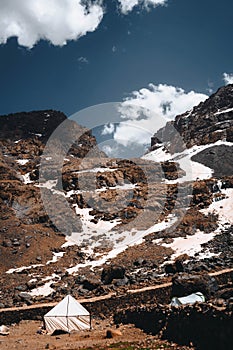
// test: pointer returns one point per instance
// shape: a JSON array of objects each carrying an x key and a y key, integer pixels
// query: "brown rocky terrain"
[
  {"x": 29, "y": 236},
  {"x": 131, "y": 196},
  {"x": 24, "y": 336}
]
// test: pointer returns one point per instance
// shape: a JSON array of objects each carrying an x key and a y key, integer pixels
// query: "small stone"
[
  {"x": 220, "y": 302},
  {"x": 21, "y": 288},
  {"x": 112, "y": 333},
  {"x": 7, "y": 244}
]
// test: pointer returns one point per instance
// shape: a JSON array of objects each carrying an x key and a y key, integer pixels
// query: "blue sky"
[{"x": 185, "y": 44}]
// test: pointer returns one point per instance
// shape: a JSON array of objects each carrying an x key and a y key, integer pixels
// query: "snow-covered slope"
[{"x": 194, "y": 170}]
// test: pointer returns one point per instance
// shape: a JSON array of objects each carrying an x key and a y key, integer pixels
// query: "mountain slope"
[{"x": 134, "y": 213}]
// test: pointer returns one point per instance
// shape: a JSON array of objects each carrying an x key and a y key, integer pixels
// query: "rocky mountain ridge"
[{"x": 206, "y": 123}]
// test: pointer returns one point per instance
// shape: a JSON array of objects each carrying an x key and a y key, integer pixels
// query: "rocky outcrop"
[{"x": 185, "y": 284}]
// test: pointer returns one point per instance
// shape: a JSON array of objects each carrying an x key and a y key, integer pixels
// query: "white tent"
[
  {"x": 189, "y": 299},
  {"x": 68, "y": 315}
]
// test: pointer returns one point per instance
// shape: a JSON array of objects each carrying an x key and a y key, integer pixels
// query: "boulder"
[
  {"x": 22, "y": 288},
  {"x": 27, "y": 298},
  {"x": 4, "y": 330},
  {"x": 177, "y": 266},
  {"x": 170, "y": 268},
  {"x": 185, "y": 284},
  {"x": 91, "y": 284},
  {"x": 140, "y": 262},
  {"x": 112, "y": 333},
  {"x": 109, "y": 273},
  {"x": 25, "y": 295}
]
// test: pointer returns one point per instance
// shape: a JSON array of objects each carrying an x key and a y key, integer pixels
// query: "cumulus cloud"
[
  {"x": 228, "y": 78},
  {"x": 148, "y": 109},
  {"x": 165, "y": 99},
  {"x": 108, "y": 129},
  {"x": 57, "y": 21},
  {"x": 128, "y": 5}
]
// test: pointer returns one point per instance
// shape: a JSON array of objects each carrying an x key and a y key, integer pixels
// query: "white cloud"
[
  {"x": 148, "y": 109},
  {"x": 128, "y": 5},
  {"x": 108, "y": 129},
  {"x": 228, "y": 78},
  {"x": 165, "y": 99},
  {"x": 54, "y": 20}
]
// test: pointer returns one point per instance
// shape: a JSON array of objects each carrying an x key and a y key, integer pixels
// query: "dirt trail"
[{"x": 110, "y": 295}]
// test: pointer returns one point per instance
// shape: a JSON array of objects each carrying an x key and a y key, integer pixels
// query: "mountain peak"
[
  {"x": 222, "y": 99},
  {"x": 210, "y": 121}
]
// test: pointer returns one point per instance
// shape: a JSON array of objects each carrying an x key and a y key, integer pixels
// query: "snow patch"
[
  {"x": 120, "y": 246},
  {"x": 22, "y": 161},
  {"x": 89, "y": 229},
  {"x": 194, "y": 170},
  {"x": 44, "y": 290},
  {"x": 95, "y": 170},
  {"x": 56, "y": 257},
  {"x": 224, "y": 111},
  {"x": 48, "y": 184},
  {"x": 26, "y": 178},
  {"x": 224, "y": 208},
  {"x": 19, "y": 269},
  {"x": 118, "y": 187},
  {"x": 189, "y": 245}
]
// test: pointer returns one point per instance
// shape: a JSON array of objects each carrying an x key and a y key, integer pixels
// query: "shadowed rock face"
[
  {"x": 23, "y": 125},
  {"x": 218, "y": 158},
  {"x": 205, "y": 325},
  {"x": 185, "y": 284},
  {"x": 110, "y": 273}
]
